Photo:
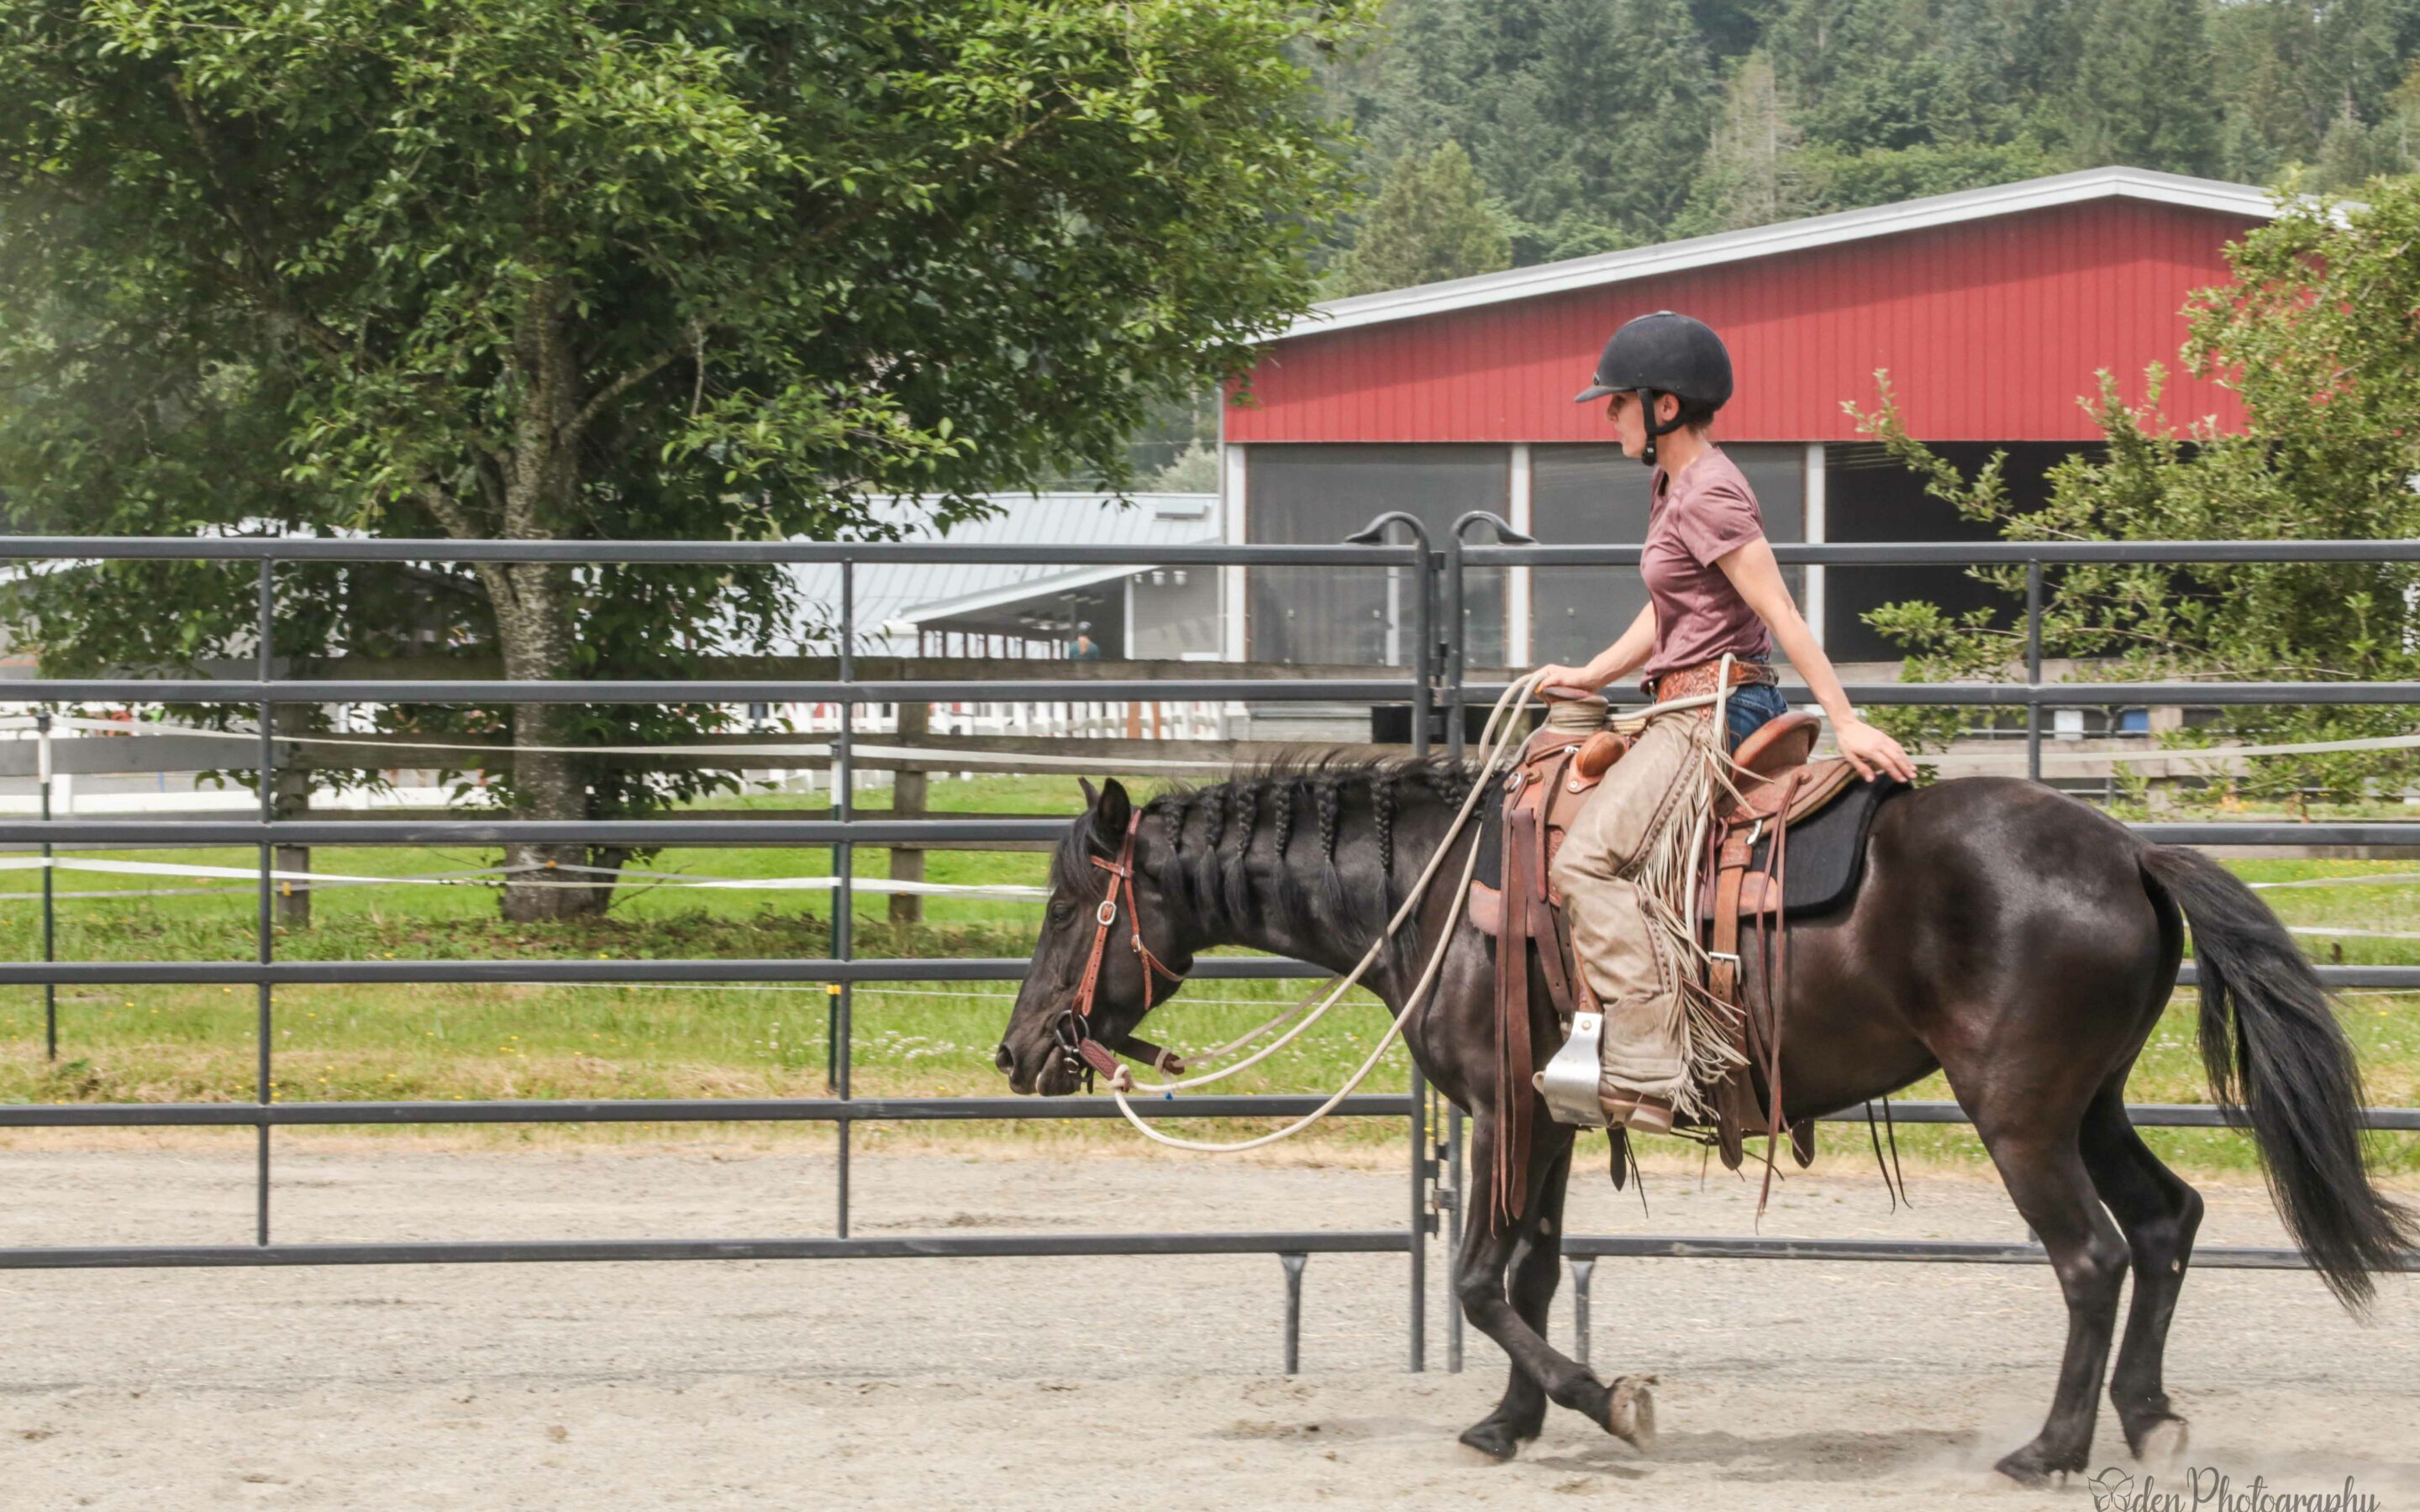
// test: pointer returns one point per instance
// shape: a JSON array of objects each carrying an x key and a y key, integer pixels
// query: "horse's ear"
[
  {"x": 1091, "y": 794},
  {"x": 1111, "y": 810}
]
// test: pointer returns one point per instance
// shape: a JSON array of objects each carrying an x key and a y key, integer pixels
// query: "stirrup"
[{"x": 1569, "y": 1082}]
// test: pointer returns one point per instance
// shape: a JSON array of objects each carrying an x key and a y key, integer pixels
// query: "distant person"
[{"x": 1084, "y": 648}]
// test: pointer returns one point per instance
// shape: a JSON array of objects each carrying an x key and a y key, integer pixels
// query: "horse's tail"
[{"x": 2288, "y": 1065}]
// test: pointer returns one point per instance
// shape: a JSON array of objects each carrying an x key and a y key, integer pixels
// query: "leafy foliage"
[
  {"x": 528, "y": 269},
  {"x": 2318, "y": 336},
  {"x": 1431, "y": 221},
  {"x": 1605, "y": 123},
  {"x": 2129, "y": 108}
]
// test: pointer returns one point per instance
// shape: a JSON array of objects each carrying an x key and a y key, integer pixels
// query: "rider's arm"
[
  {"x": 1753, "y": 572},
  {"x": 1617, "y": 660}
]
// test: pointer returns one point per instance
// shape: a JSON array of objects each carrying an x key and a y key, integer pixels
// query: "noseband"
[{"x": 1074, "y": 1027}]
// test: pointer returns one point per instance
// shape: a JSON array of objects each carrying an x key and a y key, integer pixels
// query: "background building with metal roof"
[
  {"x": 1028, "y": 610},
  {"x": 1993, "y": 310}
]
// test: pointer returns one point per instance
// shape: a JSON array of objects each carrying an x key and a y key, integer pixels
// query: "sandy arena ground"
[{"x": 1071, "y": 1385}]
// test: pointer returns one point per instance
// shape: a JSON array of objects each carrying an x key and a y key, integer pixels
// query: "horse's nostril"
[{"x": 1004, "y": 1059}]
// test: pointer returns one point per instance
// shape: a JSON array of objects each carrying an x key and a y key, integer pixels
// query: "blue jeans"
[{"x": 1748, "y": 709}]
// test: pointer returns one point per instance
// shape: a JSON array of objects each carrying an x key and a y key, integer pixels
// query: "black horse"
[{"x": 2013, "y": 938}]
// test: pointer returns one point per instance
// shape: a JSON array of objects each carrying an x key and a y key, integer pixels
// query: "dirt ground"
[{"x": 1073, "y": 1385}]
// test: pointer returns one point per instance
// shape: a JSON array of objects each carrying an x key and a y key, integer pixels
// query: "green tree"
[
  {"x": 2327, "y": 451},
  {"x": 1831, "y": 179},
  {"x": 1749, "y": 176},
  {"x": 534, "y": 269},
  {"x": 1597, "y": 140},
  {"x": 1583, "y": 117},
  {"x": 2290, "y": 75},
  {"x": 2130, "y": 108},
  {"x": 1432, "y": 221},
  {"x": 1878, "y": 74},
  {"x": 2353, "y": 152}
]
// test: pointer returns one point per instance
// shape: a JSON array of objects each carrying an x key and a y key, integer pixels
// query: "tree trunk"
[
  {"x": 528, "y": 490},
  {"x": 549, "y": 880},
  {"x": 290, "y": 799}
]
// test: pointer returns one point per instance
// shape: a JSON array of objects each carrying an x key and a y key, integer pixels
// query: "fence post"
[
  {"x": 843, "y": 894},
  {"x": 1583, "y": 1271},
  {"x": 1423, "y": 1173},
  {"x": 2033, "y": 669},
  {"x": 50, "y": 937},
  {"x": 1293, "y": 1263},
  {"x": 1424, "y": 652},
  {"x": 1453, "y": 652},
  {"x": 265, "y": 927},
  {"x": 909, "y": 791},
  {"x": 1450, "y": 1201}
]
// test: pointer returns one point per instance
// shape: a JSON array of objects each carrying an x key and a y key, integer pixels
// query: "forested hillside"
[{"x": 1500, "y": 132}]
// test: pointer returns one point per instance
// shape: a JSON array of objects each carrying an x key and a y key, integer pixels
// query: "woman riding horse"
[
  {"x": 2022, "y": 943},
  {"x": 1712, "y": 589}
]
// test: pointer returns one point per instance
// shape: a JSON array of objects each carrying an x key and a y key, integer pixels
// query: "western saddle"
[{"x": 1559, "y": 766}]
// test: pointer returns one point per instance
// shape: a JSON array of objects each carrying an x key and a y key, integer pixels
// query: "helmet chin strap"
[{"x": 1654, "y": 428}]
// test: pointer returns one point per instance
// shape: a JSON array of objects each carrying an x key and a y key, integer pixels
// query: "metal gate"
[{"x": 1437, "y": 685}]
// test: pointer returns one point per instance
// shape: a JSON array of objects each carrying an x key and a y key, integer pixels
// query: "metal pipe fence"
[{"x": 1437, "y": 683}]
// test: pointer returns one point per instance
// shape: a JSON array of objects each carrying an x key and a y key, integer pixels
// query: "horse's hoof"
[
  {"x": 2032, "y": 1466},
  {"x": 1492, "y": 1441},
  {"x": 2162, "y": 1445},
  {"x": 1630, "y": 1412},
  {"x": 2020, "y": 1468}
]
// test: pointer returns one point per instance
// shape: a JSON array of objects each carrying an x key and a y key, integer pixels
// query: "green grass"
[{"x": 197, "y": 1043}]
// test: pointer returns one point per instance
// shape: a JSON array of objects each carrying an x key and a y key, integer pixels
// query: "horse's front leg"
[
  {"x": 1530, "y": 1248},
  {"x": 1535, "y": 1271}
]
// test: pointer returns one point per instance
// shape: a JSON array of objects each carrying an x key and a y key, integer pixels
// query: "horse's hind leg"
[
  {"x": 1536, "y": 1270},
  {"x": 2160, "y": 1214},
  {"x": 1625, "y": 1409},
  {"x": 2036, "y": 1151}
]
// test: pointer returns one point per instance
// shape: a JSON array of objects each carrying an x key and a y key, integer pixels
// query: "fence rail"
[{"x": 1434, "y": 679}]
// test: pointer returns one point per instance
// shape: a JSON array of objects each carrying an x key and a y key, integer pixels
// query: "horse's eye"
[{"x": 1061, "y": 910}]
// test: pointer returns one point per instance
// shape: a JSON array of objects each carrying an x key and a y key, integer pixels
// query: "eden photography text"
[{"x": 2207, "y": 1490}]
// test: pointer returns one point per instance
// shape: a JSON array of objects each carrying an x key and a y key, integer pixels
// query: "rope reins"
[{"x": 1500, "y": 737}]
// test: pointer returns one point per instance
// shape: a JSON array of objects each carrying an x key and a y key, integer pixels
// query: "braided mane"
[{"x": 1239, "y": 847}]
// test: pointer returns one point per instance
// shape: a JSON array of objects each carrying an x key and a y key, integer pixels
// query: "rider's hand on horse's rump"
[{"x": 1868, "y": 749}]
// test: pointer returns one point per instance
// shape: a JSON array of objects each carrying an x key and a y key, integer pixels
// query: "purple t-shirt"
[{"x": 1706, "y": 511}]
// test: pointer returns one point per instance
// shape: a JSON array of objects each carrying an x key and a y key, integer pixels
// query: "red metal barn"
[{"x": 1992, "y": 310}]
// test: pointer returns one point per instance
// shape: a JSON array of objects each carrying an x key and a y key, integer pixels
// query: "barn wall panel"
[{"x": 1991, "y": 331}]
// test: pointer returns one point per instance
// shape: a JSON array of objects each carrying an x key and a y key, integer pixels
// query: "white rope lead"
[
  {"x": 1394, "y": 1027},
  {"x": 1412, "y": 899},
  {"x": 1495, "y": 745}
]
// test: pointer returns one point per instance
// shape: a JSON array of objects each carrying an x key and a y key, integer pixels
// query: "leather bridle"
[{"x": 1073, "y": 1030}]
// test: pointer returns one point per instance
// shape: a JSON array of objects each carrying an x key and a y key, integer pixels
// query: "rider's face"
[{"x": 1629, "y": 420}]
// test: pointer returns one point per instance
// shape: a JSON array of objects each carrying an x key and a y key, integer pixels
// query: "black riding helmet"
[{"x": 1663, "y": 353}]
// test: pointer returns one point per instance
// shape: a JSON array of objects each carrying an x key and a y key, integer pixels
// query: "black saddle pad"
[{"x": 1827, "y": 853}]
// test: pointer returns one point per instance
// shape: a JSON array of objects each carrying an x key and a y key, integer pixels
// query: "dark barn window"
[
  {"x": 1301, "y": 495},
  {"x": 1871, "y": 497},
  {"x": 1590, "y": 495}
]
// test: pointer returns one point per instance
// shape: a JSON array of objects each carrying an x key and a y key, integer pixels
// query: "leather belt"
[{"x": 1685, "y": 682}]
